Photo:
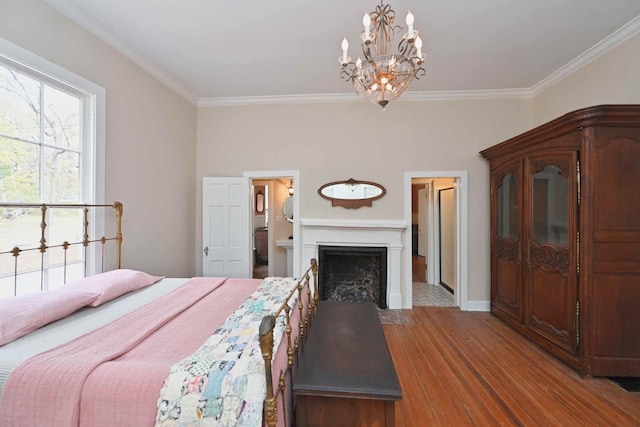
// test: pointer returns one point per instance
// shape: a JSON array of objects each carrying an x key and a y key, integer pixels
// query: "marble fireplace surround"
[{"x": 365, "y": 233}]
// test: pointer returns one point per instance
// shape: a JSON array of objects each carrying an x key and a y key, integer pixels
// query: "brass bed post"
[
  {"x": 266, "y": 346},
  {"x": 314, "y": 270},
  {"x": 15, "y": 252},
  {"x": 282, "y": 385},
  {"x": 288, "y": 330},
  {"x": 301, "y": 328},
  {"x": 307, "y": 320},
  {"x": 65, "y": 247},
  {"x": 43, "y": 243},
  {"x": 118, "y": 207},
  {"x": 103, "y": 242},
  {"x": 85, "y": 239}
]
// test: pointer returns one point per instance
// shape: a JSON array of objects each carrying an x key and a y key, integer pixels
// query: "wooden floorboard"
[{"x": 469, "y": 368}]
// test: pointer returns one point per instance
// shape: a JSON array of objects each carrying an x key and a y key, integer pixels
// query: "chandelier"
[{"x": 384, "y": 76}]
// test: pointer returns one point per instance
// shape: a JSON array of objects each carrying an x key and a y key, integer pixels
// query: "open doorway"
[
  {"x": 260, "y": 228},
  {"x": 282, "y": 221},
  {"x": 271, "y": 226},
  {"x": 437, "y": 264},
  {"x": 433, "y": 241}
]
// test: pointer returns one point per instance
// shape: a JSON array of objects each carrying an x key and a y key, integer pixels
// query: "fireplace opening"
[{"x": 353, "y": 274}]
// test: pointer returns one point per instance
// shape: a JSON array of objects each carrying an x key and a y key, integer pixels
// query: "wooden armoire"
[{"x": 565, "y": 237}]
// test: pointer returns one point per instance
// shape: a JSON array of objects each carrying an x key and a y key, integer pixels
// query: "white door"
[
  {"x": 225, "y": 227},
  {"x": 422, "y": 222}
]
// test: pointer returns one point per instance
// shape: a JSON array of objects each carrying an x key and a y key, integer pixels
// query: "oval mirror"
[
  {"x": 259, "y": 202},
  {"x": 287, "y": 209},
  {"x": 352, "y": 194}
]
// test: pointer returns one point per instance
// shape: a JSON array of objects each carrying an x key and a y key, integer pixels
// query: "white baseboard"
[
  {"x": 478, "y": 306},
  {"x": 395, "y": 300}
]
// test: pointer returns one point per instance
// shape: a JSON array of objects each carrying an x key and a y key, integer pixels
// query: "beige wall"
[
  {"x": 150, "y": 136},
  {"x": 613, "y": 78},
  {"x": 329, "y": 142}
]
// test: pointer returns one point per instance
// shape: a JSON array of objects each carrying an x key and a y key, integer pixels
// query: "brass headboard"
[{"x": 65, "y": 245}]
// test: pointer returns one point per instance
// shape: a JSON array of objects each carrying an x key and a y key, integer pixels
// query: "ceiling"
[{"x": 256, "y": 48}]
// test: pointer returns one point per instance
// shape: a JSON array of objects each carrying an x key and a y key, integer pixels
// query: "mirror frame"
[{"x": 352, "y": 203}]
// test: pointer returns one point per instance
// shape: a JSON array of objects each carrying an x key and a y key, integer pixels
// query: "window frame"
[{"x": 93, "y": 122}]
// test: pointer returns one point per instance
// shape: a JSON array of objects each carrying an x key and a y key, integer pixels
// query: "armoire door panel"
[
  {"x": 549, "y": 298},
  {"x": 615, "y": 304},
  {"x": 508, "y": 290},
  {"x": 507, "y": 294},
  {"x": 617, "y": 211},
  {"x": 616, "y": 257},
  {"x": 550, "y": 229}
]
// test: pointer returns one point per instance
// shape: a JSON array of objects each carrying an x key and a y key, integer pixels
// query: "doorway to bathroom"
[{"x": 272, "y": 223}]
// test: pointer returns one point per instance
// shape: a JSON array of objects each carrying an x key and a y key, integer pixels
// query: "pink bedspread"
[{"x": 95, "y": 380}]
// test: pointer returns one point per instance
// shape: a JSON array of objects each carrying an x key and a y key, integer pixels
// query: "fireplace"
[
  {"x": 353, "y": 274},
  {"x": 360, "y": 233}
]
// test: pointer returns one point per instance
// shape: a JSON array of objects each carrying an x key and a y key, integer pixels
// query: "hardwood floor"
[{"x": 467, "y": 368}]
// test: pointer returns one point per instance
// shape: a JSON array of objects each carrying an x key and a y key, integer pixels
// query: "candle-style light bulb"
[
  {"x": 345, "y": 47},
  {"x": 418, "y": 44},
  {"x": 409, "y": 22},
  {"x": 366, "y": 21}
]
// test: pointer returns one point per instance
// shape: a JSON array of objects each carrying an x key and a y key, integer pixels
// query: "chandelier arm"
[
  {"x": 406, "y": 48},
  {"x": 420, "y": 72},
  {"x": 366, "y": 51},
  {"x": 348, "y": 72}
]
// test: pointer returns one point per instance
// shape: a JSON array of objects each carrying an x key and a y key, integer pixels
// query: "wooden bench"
[{"x": 346, "y": 375}]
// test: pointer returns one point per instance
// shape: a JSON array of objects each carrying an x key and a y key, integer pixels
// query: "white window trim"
[{"x": 95, "y": 114}]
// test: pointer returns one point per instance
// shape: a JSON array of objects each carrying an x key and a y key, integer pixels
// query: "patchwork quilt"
[{"x": 223, "y": 383}]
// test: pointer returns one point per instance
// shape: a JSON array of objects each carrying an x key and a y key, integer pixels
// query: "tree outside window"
[{"x": 40, "y": 161}]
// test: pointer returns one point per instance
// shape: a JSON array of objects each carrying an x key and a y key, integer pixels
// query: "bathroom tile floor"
[{"x": 425, "y": 294}]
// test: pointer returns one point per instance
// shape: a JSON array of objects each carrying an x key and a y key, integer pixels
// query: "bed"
[{"x": 177, "y": 352}]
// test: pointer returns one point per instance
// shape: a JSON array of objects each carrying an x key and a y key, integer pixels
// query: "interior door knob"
[{"x": 206, "y": 251}]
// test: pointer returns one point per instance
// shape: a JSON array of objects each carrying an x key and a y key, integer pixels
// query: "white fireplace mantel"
[
  {"x": 343, "y": 232},
  {"x": 353, "y": 223}
]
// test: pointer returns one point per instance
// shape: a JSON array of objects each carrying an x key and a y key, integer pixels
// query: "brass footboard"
[{"x": 267, "y": 325}]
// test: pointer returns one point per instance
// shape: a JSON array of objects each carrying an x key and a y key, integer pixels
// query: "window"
[
  {"x": 40, "y": 140},
  {"x": 51, "y": 151}
]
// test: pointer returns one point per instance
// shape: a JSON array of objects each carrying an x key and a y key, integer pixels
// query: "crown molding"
[
  {"x": 320, "y": 98},
  {"x": 466, "y": 94},
  {"x": 352, "y": 97},
  {"x": 81, "y": 19},
  {"x": 624, "y": 33}
]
